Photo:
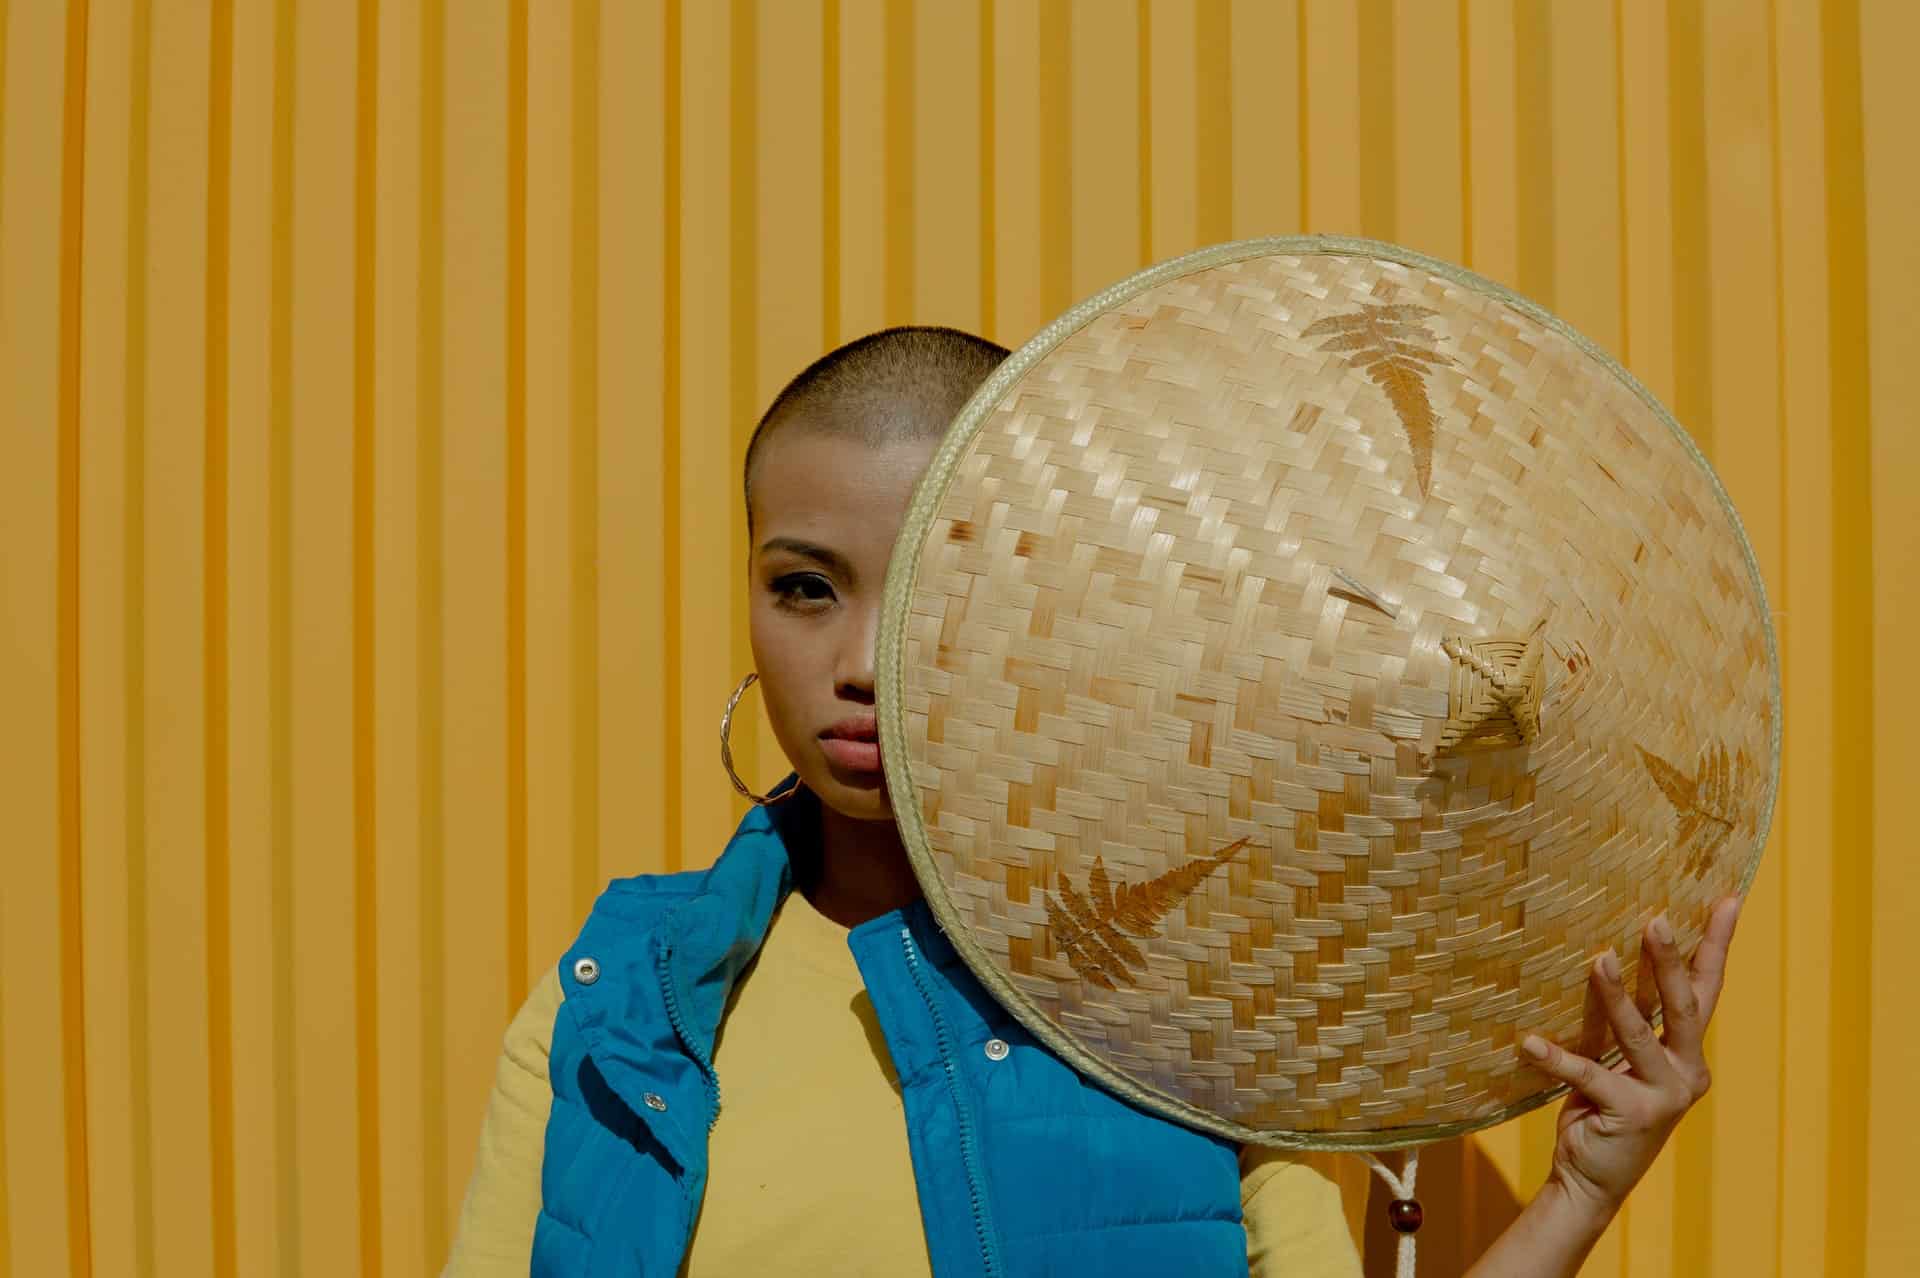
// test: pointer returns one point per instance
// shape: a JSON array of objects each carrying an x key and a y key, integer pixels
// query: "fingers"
[
  {"x": 1710, "y": 960},
  {"x": 1606, "y": 1089},
  {"x": 1593, "y": 1025},
  {"x": 1686, "y": 1028},
  {"x": 1638, "y": 1042},
  {"x": 1666, "y": 1077}
]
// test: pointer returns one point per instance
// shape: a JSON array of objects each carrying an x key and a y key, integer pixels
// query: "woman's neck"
[{"x": 862, "y": 870}]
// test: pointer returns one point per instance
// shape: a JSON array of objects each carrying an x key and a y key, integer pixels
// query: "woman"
[{"x": 806, "y": 970}]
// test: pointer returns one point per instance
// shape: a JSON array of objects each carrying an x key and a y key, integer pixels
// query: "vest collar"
[{"x": 712, "y": 936}]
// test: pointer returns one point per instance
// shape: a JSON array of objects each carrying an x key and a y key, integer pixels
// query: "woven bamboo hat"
[{"x": 1298, "y": 661}]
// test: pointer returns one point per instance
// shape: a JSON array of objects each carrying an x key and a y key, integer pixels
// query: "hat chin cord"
[{"x": 1404, "y": 1212}]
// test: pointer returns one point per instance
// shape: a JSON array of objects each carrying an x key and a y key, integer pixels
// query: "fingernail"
[
  {"x": 1610, "y": 966},
  {"x": 1662, "y": 930},
  {"x": 1534, "y": 1046}
]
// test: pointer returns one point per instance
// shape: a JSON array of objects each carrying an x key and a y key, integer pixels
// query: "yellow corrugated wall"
[{"x": 373, "y": 384}]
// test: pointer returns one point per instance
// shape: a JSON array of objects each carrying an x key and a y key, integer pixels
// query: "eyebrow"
[{"x": 832, "y": 560}]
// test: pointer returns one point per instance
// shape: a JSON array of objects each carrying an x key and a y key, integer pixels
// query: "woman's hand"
[
  {"x": 1616, "y": 1121},
  {"x": 1614, "y": 1124}
]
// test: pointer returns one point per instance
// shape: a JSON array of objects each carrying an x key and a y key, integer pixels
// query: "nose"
[{"x": 853, "y": 673}]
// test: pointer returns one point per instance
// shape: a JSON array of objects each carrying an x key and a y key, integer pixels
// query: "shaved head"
[{"x": 898, "y": 385}]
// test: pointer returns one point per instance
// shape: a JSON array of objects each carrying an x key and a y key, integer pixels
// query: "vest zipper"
[
  {"x": 963, "y": 1115},
  {"x": 689, "y": 1208},
  {"x": 679, "y": 1024}
]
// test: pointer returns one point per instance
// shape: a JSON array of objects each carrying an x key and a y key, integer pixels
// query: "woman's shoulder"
[
  {"x": 643, "y": 889},
  {"x": 624, "y": 905},
  {"x": 529, "y": 1037},
  {"x": 1304, "y": 1211}
]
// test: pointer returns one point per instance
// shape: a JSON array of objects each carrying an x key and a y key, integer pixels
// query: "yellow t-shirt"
[{"x": 828, "y": 1187}]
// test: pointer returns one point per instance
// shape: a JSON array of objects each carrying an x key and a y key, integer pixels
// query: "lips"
[{"x": 853, "y": 744}]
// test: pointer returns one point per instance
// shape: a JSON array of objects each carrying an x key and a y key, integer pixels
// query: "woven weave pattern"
[{"x": 1395, "y": 587}]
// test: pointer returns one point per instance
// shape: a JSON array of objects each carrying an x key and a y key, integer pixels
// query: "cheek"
[{"x": 783, "y": 655}]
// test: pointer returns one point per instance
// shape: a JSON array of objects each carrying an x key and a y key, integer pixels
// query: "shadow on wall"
[{"x": 1466, "y": 1203}]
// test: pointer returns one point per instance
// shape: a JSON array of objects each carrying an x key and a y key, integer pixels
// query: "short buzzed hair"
[{"x": 896, "y": 385}]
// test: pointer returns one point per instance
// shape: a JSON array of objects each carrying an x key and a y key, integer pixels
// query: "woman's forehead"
[{"x": 817, "y": 483}]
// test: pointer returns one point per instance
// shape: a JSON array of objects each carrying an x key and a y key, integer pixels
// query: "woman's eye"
[{"x": 804, "y": 590}]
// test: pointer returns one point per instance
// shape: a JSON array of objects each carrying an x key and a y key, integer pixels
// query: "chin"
[{"x": 853, "y": 800}]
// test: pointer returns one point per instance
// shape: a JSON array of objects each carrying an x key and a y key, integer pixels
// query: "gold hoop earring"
[{"x": 726, "y": 751}]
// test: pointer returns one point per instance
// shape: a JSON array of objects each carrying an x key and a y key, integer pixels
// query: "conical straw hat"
[{"x": 1299, "y": 660}]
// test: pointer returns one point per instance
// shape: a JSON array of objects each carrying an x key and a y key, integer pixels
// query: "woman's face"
[{"x": 826, "y": 510}]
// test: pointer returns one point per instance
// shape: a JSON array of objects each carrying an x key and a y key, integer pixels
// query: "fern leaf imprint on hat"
[
  {"x": 1707, "y": 805},
  {"x": 1391, "y": 345},
  {"x": 1091, "y": 928}
]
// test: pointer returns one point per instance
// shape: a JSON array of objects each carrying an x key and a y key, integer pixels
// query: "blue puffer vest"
[{"x": 1022, "y": 1167}]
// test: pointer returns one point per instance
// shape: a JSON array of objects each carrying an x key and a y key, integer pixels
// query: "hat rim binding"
[{"x": 902, "y": 576}]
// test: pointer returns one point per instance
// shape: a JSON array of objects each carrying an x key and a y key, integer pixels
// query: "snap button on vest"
[
  {"x": 655, "y": 1101},
  {"x": 586, "y": 971},
  {"x": 997, "y": 1049}
]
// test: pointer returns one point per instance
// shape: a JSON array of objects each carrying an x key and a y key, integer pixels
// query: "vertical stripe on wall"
[
  {"x": 741, "y": 403},
  {"x": 1143, "y": 126},
  {"x": 470, "y": 979},
  {"x": 325, "y": 757},
  {"x": 946, "y": 198},
  {"x": 371, "y": 500},
  {"x": 516, "y": 498},
  {"x": 1170, "y": 164},
  {"x": 239, "y": 341},
  {"x": 1812, "y": 613},
  {"x": 366, "y": 965},
  {"x": 542, "y": 613},
  {"x": 287, "y": 1149},
  {"x": 1742, "y": 302},
  {"x": 989, "y": 294},
  {"x": 1429, "y": 130},
  {"x": 1686, "y": 55},
  {"x": 219, "y": 891},
  {"x": 1465, "y": 63},
  {"x": 1533, "y": 125},
  {"x": 6, "y": 1227},
  {"x": 584, "y": 459},
  {"x": 1625, "y": 351},
  {"x": 46, "y": 1208},
  {"x": 1213, "y": 120},
  {"x": 139, "y": 994},
  {"x": 67, "y": 746},
  {"x": 672, "y": 667},
  {"x": 1333, "y": 71},
  {"x": 784, "y": 309},
  {"x": 393, "y": 486},
  {"x": 1890, "y": 99},
  {"x": 630, "y": 537},
  {"x": 1848, "y": 358},
  {"x": 1054, "y": 120},
  {"x": 365, "y": 764},
  {"x": 830, "y": 173},
  {"x": 429, "y": 630},
  {"x": 115, "y": 857},
  {"x": 1783, "y": 840},
  {"x": 898, "y": 159},
  {"x": 1019, "y": 140},
  {"x": 173, "y": 638},
  {"x": 1692, "y": 404},
  {"x": 1303, "y": 115},
  {"x": 1378, "y": 76}
]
